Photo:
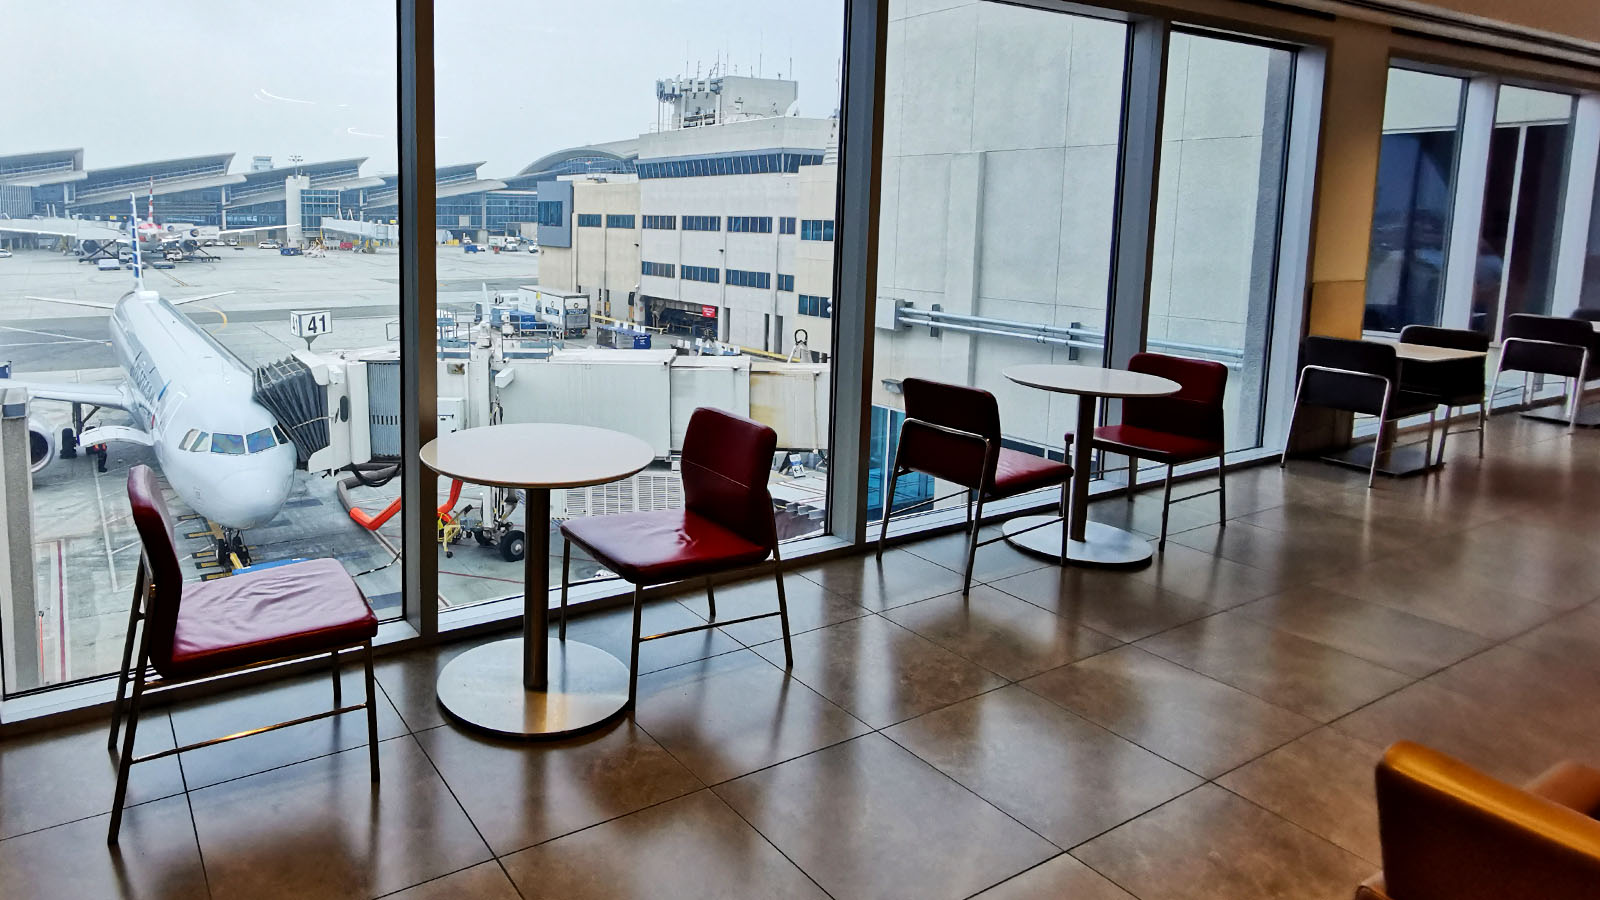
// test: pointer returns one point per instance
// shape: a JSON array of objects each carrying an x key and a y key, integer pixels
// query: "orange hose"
[{"x": 373, "y": 523}]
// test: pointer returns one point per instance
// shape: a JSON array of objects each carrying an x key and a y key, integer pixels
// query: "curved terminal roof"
[
  {"x": 622, "y": 151},
  {"x": 42, "y": 168}
]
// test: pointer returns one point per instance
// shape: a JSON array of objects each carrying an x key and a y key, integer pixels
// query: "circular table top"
[
  {"x": 537, "y": 455},
  {"x": 1092, "y": 381}
]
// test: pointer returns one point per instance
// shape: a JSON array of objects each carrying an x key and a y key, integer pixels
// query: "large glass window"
[
  {"x": 1527, "y": 172},
  {"x": 1000, "y": 153},
  {"x": 1224, "y": 136},
  {"x": 520, "y": 338},
  {"x": 266, "y": 192},
  {"x": 1589, "y": 293},
  {"x": 1415, "y": 197}
]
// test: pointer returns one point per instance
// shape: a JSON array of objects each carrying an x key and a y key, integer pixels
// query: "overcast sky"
[{"x": 135, "y": 82}]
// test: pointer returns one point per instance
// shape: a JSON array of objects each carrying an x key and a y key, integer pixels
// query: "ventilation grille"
[{"x": 641, "y": 493}]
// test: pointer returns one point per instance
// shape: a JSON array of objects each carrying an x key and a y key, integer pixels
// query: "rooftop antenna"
[{"x": 133, "y": 235}]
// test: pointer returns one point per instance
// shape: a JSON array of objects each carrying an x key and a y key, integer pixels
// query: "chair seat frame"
[
  {"x": 1573, "y": 391},
  {"x": 138, "y": 673},
  {"x": 1378, "y": 449}
]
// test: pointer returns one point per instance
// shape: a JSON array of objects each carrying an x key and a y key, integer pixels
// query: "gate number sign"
[{"x": 309, "y": 323}]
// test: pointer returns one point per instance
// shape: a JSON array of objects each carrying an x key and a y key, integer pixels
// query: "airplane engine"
[
  {"x": 41, "y": 445},
  {"x": 90, "y": 246},
  {"x": 189, "y": 246}
]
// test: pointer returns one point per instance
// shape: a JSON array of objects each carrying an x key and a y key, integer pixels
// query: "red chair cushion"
[
  {"x": 294, "y": 610},
  {"x": 1016, "y": 472},
  {"x": 1148, "y": 443},
  {"x": 663, "y": 545}
]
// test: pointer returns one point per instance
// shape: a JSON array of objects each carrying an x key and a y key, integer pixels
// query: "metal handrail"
[{"x": 1069, "y": 336}]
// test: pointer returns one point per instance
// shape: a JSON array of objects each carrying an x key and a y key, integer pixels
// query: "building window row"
[
  {"x": 659, "y": 270},
  {"x": 588, "y": 220},
  {"x": 742, "y": 278},
  {"x": 707, "y": 274},
  {"x": 750, "y": 224},
  {"x": 786, "y": 283},
  {"x": 786, "y": 225},
  {"x": 732, "y": 164},
  {"x": 702, "y": 223},
  {"x": 615, "y": 220},
  {"x": 812, "y": 305},
  {"x": 664, "y": 223},
  {"x": 816, "y": 230}
]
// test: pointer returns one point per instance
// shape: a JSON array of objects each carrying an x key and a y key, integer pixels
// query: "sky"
[{"x": 515, "y": 79}]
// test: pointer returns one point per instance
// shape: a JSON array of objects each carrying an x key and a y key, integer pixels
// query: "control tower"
[{"x": 691, "y": 102}]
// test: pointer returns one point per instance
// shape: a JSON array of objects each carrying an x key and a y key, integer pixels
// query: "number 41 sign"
[{"x": 310, "y": 324}]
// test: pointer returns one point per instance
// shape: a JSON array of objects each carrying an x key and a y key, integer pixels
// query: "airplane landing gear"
[{"x": 231, "y": 547}]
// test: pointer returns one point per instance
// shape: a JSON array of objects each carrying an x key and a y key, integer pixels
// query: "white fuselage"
[{"x": 184, "y": 384}]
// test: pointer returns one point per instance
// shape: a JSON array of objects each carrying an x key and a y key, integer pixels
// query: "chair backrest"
[
  {"x": 725, "y": 464},
  {"x": 1194, "y": 411},
  {"x": 956, "y": 406},
  {"x": 154, "y": 522},
  {"x": 1573, "y": 335},
  {"x": 1587, "y": 315},
  {"x": 1338, "y": 390}
]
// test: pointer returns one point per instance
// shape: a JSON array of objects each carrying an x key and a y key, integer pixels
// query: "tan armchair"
[{"x": 1450, "y": 832}]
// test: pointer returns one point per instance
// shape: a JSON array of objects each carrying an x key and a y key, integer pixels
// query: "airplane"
[
  {"x": 151, "y": 236},
  {"x": 192, "y": 402}
]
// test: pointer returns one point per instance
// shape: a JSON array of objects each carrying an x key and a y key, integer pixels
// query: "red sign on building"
[{"x": 709, "y": 312}]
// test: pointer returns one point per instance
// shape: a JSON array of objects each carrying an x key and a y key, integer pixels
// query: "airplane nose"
[{"x": 254, "y": 497}]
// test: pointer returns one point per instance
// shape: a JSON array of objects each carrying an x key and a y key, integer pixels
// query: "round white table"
[
  {"x": 1081, "y": 541},
  {"x": 534, "y": 686}
]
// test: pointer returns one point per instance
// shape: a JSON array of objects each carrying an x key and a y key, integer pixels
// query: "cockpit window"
[
  {"x": 196, "y": 441},
  {"x": 231, "y": 444},
  {"x": 283, "y": 436},
  {"x": 261, "y": 440},
  {"x": 188, "y": 440}
]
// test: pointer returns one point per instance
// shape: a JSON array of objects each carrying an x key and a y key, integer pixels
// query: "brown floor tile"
[
  {"x": 811, "y": 606},
  {"x": 1321, "y": 782},
  {"x": 1303, "y": 676},
  {"x": 1111, "y": 602},
  {"x": 322, "y": 828},
  {"x": 685, "y": 849},
  {"x": 1062, "y": 776},
  {"x": 1143, "y": 515},
  {"x": 521, "y": 793},
  {"x": 899, "y": 578},
  {"x": 1210, "y": 579},
  {"x": 993, "y": 561},
  {"x": 484, "y": 881},
  {"x": 1382, "y": 634},
  {"x": 732, "y": 714},
  {"x": 1061, "y": 878},
  {"x": 256, "y": 706},
  {"x": 1494, "y": 740},
  {"x": 411, "y": 680},
  {"x": 612, "y": 631},
  {"x": 879, "y": 672},
  {"x": 1560, "y": 697},
  {"x": 1451, "y": 590},
  {"x": 1201, "y": 724},
  {"x": 1572, "y": 638},
  {"x": 1003, "y": 634},
  {"x": 868, "y": 819},
  {"x": 1212, "y": 845},
  {"x": 64, "y": 775},
  {"x": 1295, "y": 557},
  {"x": 155, "y": 857}
]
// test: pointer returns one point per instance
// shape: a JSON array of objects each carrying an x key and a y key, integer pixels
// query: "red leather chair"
[
  {"x": 1173, "y": 430},
  {"x": 952, "y": 432},
  {"x": 726, "y": 523},
  {"x": 250, "y": 619}
]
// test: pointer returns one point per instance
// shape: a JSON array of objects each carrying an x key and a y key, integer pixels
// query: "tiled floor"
[{"x": 1203, "y": 728}]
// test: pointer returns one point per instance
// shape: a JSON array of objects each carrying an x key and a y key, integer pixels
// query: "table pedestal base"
[
  {"x": 1411, "y": 459},
  {"x": 483, "y": 688},
  {"x": 1588, "y": 416},
  {"x": 1104, "y": 545}
]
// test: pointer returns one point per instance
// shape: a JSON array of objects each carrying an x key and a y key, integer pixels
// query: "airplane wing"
[
  {"x": 251, "y": 230},
  {"x": 105, "y": 434},
  {"x": 181, "y": 301},
  {"x": 112, "y": 396},
  {"x": 60, "y": 228},
  {"x": 92, "y": 304}
]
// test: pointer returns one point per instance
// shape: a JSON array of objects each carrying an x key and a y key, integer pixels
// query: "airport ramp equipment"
[{"x": 291, "y": 392}]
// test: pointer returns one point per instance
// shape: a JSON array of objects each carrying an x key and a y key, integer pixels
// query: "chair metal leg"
[
  {"x": 1444, "y": 436},
  {"x": 783, "y": 610},
  {"x": 1222, "y": 491},
  {"x": 1577, "y": 392},
  {"x": 566, "y": 571},
  {"x": 1427, "y": 453},
  {"x": 711, "y": 599},
  {"x": 372, "y": 711},
  {"x": 888, "y": 503},
  {"x": 633, "y": 653},
  {"x": 333, "y": 668},
  {"x": 1288, "y": 434},
  {"x": 1483, "y": 425},
  {"x": 126, "y": 762},
  {"x": 972, "y": 548},
  {"x": 1133, "y": 477},
  {"x": 1166, "y": 506},
  {"x": 127, "y": 657},
  {"x": 1377, "y": 446}
]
